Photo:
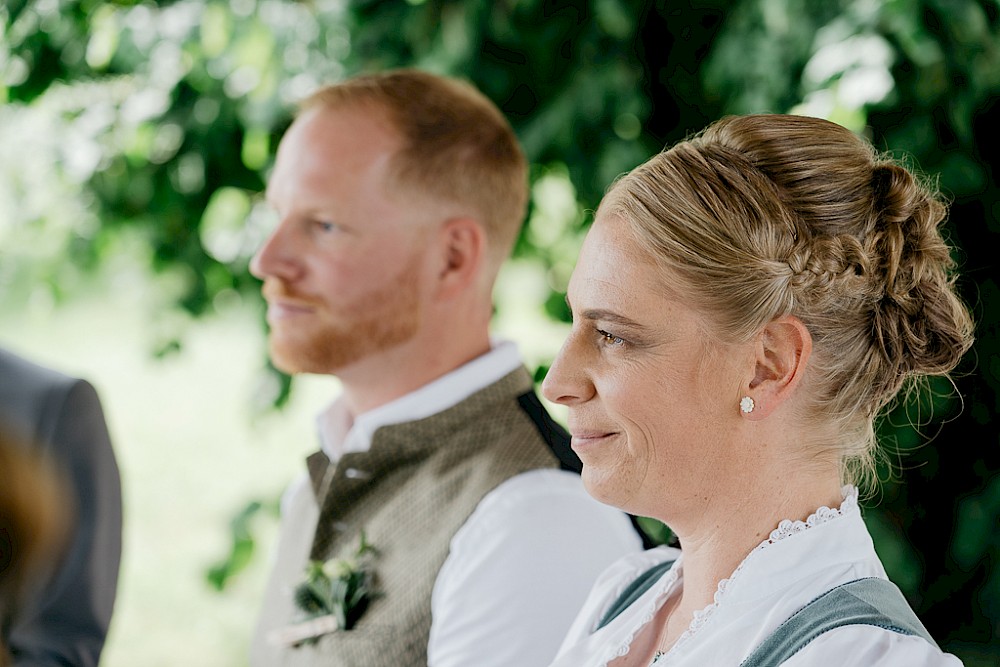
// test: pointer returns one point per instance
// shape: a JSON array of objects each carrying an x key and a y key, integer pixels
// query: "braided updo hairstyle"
[{"x": 769, "y": 215}]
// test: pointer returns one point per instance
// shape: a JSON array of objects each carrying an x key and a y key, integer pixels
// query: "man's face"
[{"x": 342, "y": 270}]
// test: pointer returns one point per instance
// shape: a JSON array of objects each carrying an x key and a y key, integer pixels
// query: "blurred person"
[
  {"x": 33, "y": 521},
  {"x": 744, "y": 306},
  {"x": 399, "y": 195},
  {"x": 65, "y": 613}
]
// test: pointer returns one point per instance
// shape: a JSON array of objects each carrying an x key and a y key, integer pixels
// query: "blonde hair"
[
  {"x": 769, "y": 215},
  {"x": 457, "y": 146}
]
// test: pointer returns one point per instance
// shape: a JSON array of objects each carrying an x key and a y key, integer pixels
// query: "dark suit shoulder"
[
  {"x": 20, "y": 374},
  {"x": 32, "y": 396}
]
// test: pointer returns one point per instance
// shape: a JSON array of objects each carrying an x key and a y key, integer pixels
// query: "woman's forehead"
[
  {"x": 612, "y": 252},
  {"x": 614, "y": 271}
]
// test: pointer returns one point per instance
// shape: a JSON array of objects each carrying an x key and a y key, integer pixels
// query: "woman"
[{"x": 744, "y": 306}]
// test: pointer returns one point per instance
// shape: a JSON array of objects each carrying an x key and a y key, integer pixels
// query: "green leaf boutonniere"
[{"x": 333, "y": 596}]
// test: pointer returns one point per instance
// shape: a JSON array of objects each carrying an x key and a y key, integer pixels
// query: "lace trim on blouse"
[
  {"x": 785, "y": 529},
  {"x": 664, "y": 584}
]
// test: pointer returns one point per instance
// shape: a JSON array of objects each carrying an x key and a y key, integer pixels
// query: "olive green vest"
[{"x": 410, "y": 493}]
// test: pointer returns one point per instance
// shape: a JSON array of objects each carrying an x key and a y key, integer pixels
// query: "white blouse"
[{"x": 800, "y": 561}]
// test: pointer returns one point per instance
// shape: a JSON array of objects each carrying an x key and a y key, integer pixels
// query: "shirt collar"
[{"x": 338, "y": 435}]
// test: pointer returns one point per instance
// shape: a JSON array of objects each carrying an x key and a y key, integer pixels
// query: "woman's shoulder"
[
  {"x": 609, "y": 586},
  {"x": 874, "y": 646},
  {"x": 617, "y": 577}
]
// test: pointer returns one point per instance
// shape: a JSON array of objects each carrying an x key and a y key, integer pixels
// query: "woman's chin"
[{"x": 605, "y": 489}]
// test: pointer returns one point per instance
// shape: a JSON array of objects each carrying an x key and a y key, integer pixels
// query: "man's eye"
[
  {"x": 325, "y": 226},
  {"x": 609, "y": 338}
]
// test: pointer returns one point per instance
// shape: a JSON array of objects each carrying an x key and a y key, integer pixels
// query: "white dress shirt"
[
  {"x": 800, "y": 561},
  {"x": 521, "y": 566}
]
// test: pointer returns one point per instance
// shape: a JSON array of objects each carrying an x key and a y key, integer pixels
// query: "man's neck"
[
  {"x": 341, "y": 432},
  {"x": 372, "y": 383}
]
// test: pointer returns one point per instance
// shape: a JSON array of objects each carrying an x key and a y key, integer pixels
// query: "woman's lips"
[{"x": 588, "y": 439}]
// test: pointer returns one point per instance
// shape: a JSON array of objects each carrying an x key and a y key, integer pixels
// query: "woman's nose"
[{"x": 567, "y": 381}]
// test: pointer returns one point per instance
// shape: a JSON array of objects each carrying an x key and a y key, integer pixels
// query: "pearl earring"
[{"x": 746, "y": 405}]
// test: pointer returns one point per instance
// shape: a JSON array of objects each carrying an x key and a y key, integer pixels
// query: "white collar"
[
  {"x": 339, "y": 436},
  {"x": 797, "y": 562},
  {"x": 838, "y": 533}
]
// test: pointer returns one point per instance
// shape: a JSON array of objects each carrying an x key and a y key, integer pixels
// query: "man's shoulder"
[
  {"x": 536, "y": 500},
  {"x": 514, "y": 432},
  {"x": 539, "y": 487}
]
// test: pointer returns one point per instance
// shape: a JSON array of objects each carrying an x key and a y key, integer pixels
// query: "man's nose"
[{"x": 277, "y": 256}]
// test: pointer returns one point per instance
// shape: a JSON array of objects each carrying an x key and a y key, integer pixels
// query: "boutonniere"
[{"x": 333, "y": 596}]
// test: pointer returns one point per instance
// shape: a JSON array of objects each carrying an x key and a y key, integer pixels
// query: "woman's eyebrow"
[
  {"x": 610, "y": 316},
  {"x": 607, "y": 315}
]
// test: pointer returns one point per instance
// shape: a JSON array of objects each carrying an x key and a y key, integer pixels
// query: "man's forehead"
[
  {"x": 366, "y": 118},
  {"x": 324, "y": 144}
]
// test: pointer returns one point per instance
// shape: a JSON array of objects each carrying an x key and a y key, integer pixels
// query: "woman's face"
[{"x": 653, "y": 401}]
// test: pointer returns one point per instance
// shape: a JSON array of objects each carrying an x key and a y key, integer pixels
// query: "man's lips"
[
  {"x": 283, "y": 303},
  {"x": 282, "y": 309}
]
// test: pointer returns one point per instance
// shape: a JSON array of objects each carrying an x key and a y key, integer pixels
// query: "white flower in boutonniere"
[{"x": 333, "y": 596}]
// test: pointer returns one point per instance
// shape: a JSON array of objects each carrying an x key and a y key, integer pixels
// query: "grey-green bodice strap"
[
  {"x": 868, "y": 601},
  {"x": 634, "y": 591}
]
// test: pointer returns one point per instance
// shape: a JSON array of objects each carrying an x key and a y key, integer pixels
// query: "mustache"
[{"x": 276, "y": 290}]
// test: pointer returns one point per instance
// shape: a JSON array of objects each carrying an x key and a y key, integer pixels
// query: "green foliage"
[
  {"x": 242, "y": 548},
  {"x": 657, "y": 531},
  {"x": 187, "y": 102}
]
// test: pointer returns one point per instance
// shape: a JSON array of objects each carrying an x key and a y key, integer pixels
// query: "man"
[
  {"x": 399, "y": 196},
  {"x": 65, "y": 616}
]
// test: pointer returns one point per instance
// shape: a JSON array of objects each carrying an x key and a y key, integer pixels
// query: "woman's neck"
[{"x": 715, "y": 543}]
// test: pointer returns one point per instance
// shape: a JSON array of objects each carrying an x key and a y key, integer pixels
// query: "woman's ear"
[
  {"x": 463, "y": 245},
  {"x": 781, "y": 355}
]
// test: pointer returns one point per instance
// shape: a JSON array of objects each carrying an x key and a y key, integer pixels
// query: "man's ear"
[
  {"x": 463, "y": 245},
  {"x": 781, "y": 355}
]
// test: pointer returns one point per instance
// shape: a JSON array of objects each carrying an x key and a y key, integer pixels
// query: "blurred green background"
[{"x": 135, "y": 138}]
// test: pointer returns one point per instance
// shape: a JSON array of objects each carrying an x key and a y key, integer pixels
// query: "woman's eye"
[
  {"x": 325, "y": 226},
  {"x": 609, "y": 338}
]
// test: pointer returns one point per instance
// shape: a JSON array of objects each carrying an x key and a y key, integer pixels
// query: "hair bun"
[{"x": 919, "y": 324}]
